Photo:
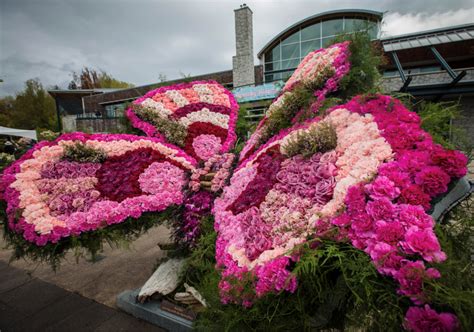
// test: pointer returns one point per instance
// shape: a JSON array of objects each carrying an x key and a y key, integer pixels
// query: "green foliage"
[
  {"x": 242, "y": 129},
  {"x": 173, "y": 131},
  {"x": 455, "y": 290},
  {"x": 365, "y": 60},
  {"x": 6, "y": 110},
  {"x": 5, "y": 160},
  {"x": 201, "y": 263},
  {"x": 439, "y": 119},
  {"x": 90, "y": 78},
  {"x": 84, "y": 154},
  {"x": 32, "y": 108},
  {"x": 46, "y": 135},
  {"x": 280, "y": 118},
  {"x": 87, "y": 243},
  {"x": 108, "y": 82},
  {"x": 320, "y": 138}
]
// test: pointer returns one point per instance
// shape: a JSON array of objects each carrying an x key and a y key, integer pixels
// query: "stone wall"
[
  {"x": 99, "y": 125},
  {"x": 467, "y": 116},
  {"x": 68, "y": 123},
  {"x": 395, "y": 83}
]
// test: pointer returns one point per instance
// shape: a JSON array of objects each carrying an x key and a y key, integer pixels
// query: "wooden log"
[
  {"x": 195, "y": 293},
  {"x": 164, "y": 280},
  {"x": 186, "y": 298}
]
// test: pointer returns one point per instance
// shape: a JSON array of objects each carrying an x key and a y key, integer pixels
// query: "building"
[{"x": 436, "y": 64}]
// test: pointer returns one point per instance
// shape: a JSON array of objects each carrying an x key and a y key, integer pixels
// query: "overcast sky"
[{"x": 136, "y": 40}]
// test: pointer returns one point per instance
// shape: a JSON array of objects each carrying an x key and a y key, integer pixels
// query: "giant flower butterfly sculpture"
[{"x": 363, "y": 173}]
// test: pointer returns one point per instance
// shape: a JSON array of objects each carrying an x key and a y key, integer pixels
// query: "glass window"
[
  {"x": 290, "y": 64},
  {"x": 309, "y": 46},
  {"x": 373, "y": 30},
  {"x": 311, "y": 32},
  {"x": 354, "y": 24},
  {"x": 327, "y": 41},
  {"x": 430, "y": 69},
  {"x": 286, "y": 75},
  {"x": 273, "y": 66},
  {"x": 332, "y": 27},
  {"x": 294, "y": 38},
  {"x": 273, "y": 55},
  {"x": 290, "y": 51},
  {"x": 272, "y": 77}
]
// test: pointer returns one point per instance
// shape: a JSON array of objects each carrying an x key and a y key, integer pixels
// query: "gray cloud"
[{"x": 135, "y": 41}]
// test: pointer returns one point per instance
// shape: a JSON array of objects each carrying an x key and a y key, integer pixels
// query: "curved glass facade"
[{"x": 282, "y": 59}]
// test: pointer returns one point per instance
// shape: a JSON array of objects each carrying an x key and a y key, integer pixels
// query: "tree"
[
  {"x": 33, "y": 108},
  {"x": 6, "y": 110},
  {"x": 162, "y": 77},
  {"x": 90, "y": 78}
]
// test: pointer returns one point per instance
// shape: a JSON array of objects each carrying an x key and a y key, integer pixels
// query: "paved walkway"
[
  {"x": 30, "y": 304},
  {"x": 118, "y": 270}
]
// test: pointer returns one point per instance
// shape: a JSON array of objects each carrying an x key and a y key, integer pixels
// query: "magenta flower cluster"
[
  {"x": 387, "y": 218},
  {"x": 196, "y": 206}
]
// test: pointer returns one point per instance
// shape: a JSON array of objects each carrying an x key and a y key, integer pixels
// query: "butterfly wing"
[
  {"x": 199, "y": 117},
  {"x": 81, "y": 183},
  {"x": 319, "y": 74}
]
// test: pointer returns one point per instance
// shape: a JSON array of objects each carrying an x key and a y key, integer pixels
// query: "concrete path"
[
  {"x": 118, "y": 270},
  {"x": 30, "y": 304}
]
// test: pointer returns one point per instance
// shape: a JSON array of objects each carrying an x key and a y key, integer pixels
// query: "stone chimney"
[{"x": 242, "y": 62}]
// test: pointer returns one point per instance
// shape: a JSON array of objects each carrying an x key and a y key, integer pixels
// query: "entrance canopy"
[{"x": 18, "y": 132}]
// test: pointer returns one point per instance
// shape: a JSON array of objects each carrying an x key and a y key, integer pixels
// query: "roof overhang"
[
  {"x": 80, "y": 92},
  {"x": 429, "y": 38}
]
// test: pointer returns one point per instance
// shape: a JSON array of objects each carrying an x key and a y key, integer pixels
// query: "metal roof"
[
  {"x": 429, "y": 38},
  {"x": 321, "y": 16},
  {"x": 79, "y": 91}
]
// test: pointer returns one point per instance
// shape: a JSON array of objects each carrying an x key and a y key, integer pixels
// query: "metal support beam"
[
  {"x": 443, "y": 62},
  {"x": 406, "y": 80},
  {"x": 58, "y": 115},
  {"x": 445, "y": 65}
]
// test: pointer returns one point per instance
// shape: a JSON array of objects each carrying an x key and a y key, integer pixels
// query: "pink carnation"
[
  {"x": 386, "y": 258},
  {"x": 452, "y": 162},
  {"x": 380, "y": 209},
  {"x": 433, "y": 180},
  {"x": 411, "y": 276},
  {"x": 423, "y": 242},
  {"x": 383, "y": 187},
  {"x": 414, "y": 195},
  {"x": 162, "y": 177},
  {"x": 206, "y": 146},
  {"x": 426, "y": 319},
  {"x": 393, "y": 172},
  {"x": 274, "y": 277},
  {"x": 412, "y": 215},
  {"x": 355, "y": 199},
  {"x": 390, "y": 232}
]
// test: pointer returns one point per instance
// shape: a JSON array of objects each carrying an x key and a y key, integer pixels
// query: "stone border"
[
  {"x": 461, "y": 190},
  {"x": 152, "y": 313}
]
